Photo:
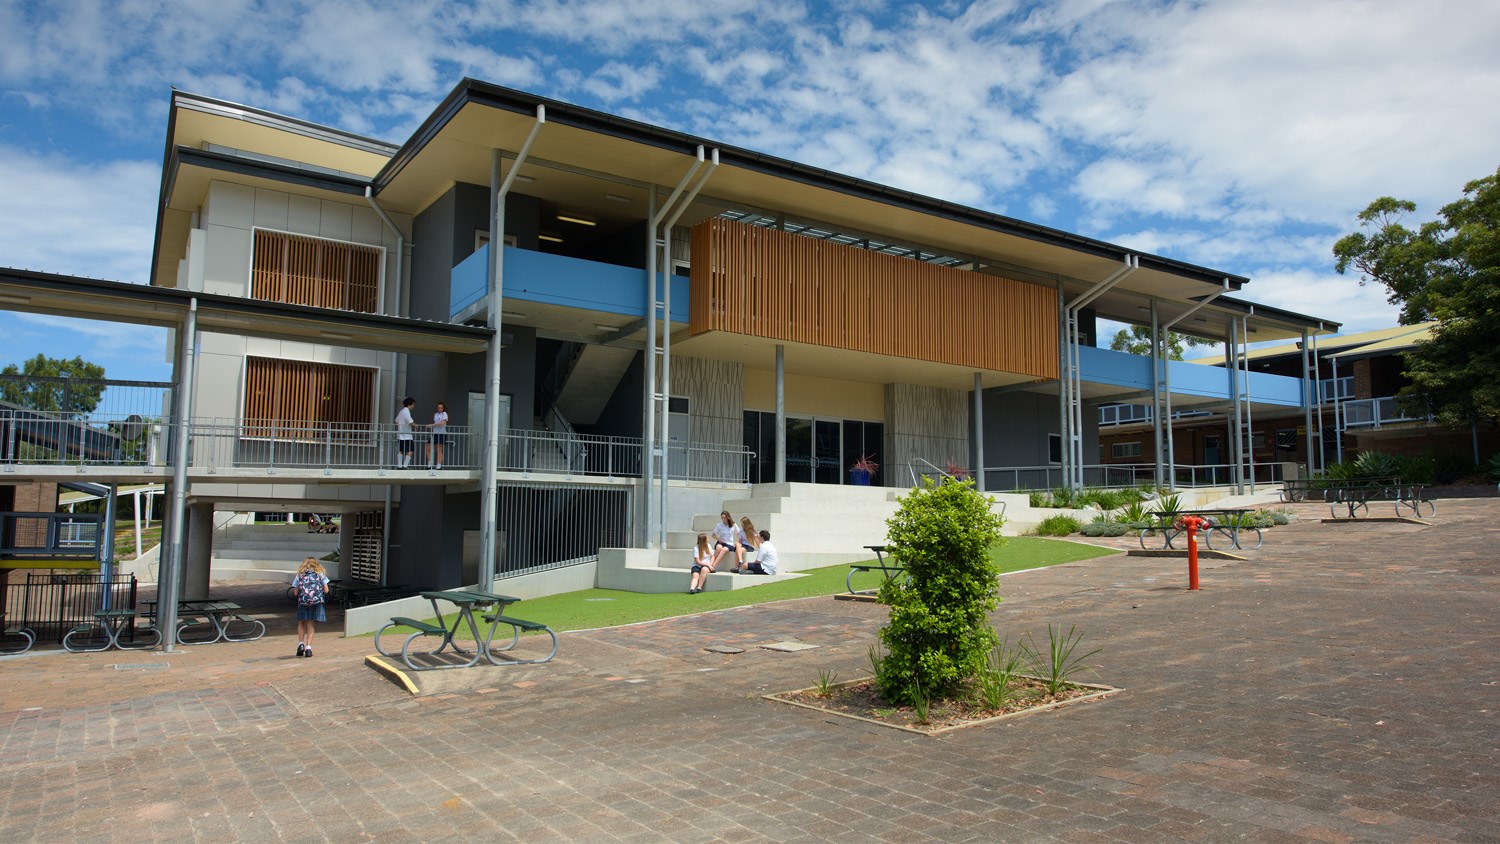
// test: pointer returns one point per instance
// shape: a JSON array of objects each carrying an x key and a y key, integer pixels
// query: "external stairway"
[
  {"x": 812, "y": 526},
  {"x": 268, "y": 552}
]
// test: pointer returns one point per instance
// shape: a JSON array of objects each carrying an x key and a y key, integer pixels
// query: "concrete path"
[{"x": 1341, "y": 684}]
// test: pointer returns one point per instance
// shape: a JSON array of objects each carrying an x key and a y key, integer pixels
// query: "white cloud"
[{"x": 66, "y": 216}]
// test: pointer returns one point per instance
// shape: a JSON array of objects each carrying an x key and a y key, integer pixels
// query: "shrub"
[
  {"x": 1059, "y": 525},
  {"x": 1375, "y": 464},
  {"x": 1492, "y": 468},
  {"x": 939, "y": 635},
  {"x": 1134, "y": 512},
  {"x": 1058, "y": 664},
  {"x": 1104, "y": 528}
]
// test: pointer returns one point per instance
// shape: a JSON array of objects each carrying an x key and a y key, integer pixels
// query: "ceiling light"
[
  {"x": 15, "y": 300},
  {"x": 521, "y": 178},
  {"x": 512, "y": 315},
  {"x": 579, "y": 220},
  {"x": 602, "y": 327},
  {"x": 335, "y": 335},
  {"x": 614, "y": 197},
  {"x": 550, "y": 238}
]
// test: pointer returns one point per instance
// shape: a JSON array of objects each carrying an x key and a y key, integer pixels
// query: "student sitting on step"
[
  {"x": 767, "y": 561},
  {"x": 749, "y": 541},
  {"x": 703, "y": 565}
]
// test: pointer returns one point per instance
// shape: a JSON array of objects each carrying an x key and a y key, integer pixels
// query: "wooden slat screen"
[
  {"x": 773, "y": 284},
  {"x": 304, "y": 270},
  {"x": 299, "y": 394}
]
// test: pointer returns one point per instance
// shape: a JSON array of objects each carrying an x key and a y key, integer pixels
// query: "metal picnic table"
[
  {"x": 216, "y": 615},
  {"x": 112, "y": 624},
  {"x": 1227, "y": 523},
  {"x": 465, "y": 600}
]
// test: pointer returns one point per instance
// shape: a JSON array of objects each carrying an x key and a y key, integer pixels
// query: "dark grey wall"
[
  {"x": 427, "y": 528},
  {"x": 1016, "y": 426},
  {"x": 623, "y": 413}
]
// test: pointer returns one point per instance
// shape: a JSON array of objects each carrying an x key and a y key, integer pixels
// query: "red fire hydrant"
[{"x": 1192, "y": 524}]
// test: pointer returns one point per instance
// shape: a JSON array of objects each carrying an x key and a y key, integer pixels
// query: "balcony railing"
[
  {"x": 50, "y": 535},
  {"x": 1336, "y": 389},
  {"x": 32, "y": 438},
  {"x": 1119, "y": 475},
  {"x": 1127, "y": 414},
  {"x": 1373, "y": 413}
]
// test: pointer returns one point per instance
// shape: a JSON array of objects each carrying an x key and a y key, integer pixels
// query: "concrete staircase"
[
  {"x": 812, "y": 526},
  {"x": 268, "y": 552}
]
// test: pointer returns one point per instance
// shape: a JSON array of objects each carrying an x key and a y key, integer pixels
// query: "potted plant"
[{"x": 862, "y": 470}]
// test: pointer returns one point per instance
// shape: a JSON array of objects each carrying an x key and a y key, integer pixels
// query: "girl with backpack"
[{"x": 311, "y": 585}]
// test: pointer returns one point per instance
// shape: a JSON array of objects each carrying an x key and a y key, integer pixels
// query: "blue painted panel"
[
  {"x": 1121, "y": 369},
  {"x": 558, "y": 280}
]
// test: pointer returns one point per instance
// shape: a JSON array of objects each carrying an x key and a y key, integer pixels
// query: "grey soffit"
[
  {"x": 519, "y": 102},
  {"x": 116, "y": 301}
]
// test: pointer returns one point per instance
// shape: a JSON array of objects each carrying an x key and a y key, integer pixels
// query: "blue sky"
[{"x": 1240, "y": 135}]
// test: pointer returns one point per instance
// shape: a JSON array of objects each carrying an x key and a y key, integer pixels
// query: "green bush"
[
  {"x": 1375, "y": 464},
  {"x": 1134, "y": 512},
  {"x": 1104, "y": 528},
  {"x": 1059, "y": 525},
  {"x": 938, "y": 636}
]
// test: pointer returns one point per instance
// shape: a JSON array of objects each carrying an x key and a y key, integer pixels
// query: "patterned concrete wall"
[{"x": 926, "y": 423}]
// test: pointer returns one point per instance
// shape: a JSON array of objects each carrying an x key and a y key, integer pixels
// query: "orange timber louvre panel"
[
  {"x": 301, "y": 397},
  {"x": 767, "y": 283},
  {"x": 302, "y": 270}
]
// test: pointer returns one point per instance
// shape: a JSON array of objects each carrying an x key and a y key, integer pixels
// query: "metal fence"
[
  {"x": 1117, "y": 475},
  {"x": 549, "y": 526},
  {"x": 217, "y": 443},
  {"x": 51, "y": 603},
  {"x": 1372, "y": 413},
  {"x": 60, "y": 535}
]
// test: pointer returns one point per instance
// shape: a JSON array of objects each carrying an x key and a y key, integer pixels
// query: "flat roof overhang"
[
  {"x": 456, "y": 141},
  {"x": 115, "y": 301},
  {"x": 839, "y": 364}
]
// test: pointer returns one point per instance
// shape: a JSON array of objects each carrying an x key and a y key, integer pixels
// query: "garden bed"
[{"x": 860, "y": 700}]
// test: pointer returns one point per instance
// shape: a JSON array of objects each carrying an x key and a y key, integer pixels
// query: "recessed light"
[
  {"x": 512, "y": 315},
  {"x": 614, "y": 197},
  {"x": 521, "y": 178},
  {"x": 602, "y": 327},
  {"x": 579, "y": 220},
  {"x": 15, "y": 300},
  {"x": 550, "y": 238}
]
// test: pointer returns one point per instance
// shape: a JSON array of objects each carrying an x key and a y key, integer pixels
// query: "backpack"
[{"x": 309, "y": 588}]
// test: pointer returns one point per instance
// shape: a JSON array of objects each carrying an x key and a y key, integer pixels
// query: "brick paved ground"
[{"x": 1341, "y": 684}]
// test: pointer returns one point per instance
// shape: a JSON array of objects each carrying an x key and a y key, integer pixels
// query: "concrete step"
[
  {"x": 635, "y": 570},
  {"x": 754, "y": 507},
  {"x": 313, "y": 544},
  {"x": 799, "y": 561},
  {"x": 809, "y": 519},
  {"x": 825, "y": 492}
]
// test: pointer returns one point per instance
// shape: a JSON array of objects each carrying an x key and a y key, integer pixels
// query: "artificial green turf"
[{"x": 592, "y": 608}]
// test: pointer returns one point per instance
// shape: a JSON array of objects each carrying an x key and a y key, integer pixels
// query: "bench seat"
[{"x": 420, "y": 626}]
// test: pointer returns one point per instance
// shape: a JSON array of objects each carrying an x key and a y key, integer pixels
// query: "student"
[
  {"x": 311, "y": 585},
  {"x": 726, "y": 538},
  {"x": 404, "y": 425},
  {"x": 439, "y": 435},
  {"x": 703, "y": 565},
  {"x": 749, "y": 541},
  {"x": 767, "y": 561}
]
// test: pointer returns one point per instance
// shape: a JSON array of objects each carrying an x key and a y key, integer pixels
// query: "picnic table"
[
  {"x": 1357, "y": 499},
  {"x": 1229, "y": 524},
  {"x": 889, "y": 571},
  {"x": 1330, "y": 489},
  {"x": 105, "y": 632},
  {"x": 207, "y": 622},
  {"x": 466, "y": 600}
]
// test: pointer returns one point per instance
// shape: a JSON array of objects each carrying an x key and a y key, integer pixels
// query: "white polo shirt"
[{"x": 768, "y": 558}]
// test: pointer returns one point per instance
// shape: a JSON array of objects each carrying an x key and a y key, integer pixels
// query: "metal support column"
[
  {"x": 1074, "y": 339},
  {"x": 107, "y": 543},
  {"x": 169, "y": 565},
  {"x": 1232, "y": 420},
  {"x": 1338, "y": 421},
  {"x": 1156, "y": 393},
  {"x": 979, "y": 431},
  {"x": 1064, "y": 378},
  {"x": 488, "y": 485},
  {"x": 1309, "y": 390},
  {"x": 648, "y": 440},
  {"x": 1318, "y": 380},
  {"x": 780, "y": 414},
  {"x": 1167, "y": 382},
  {"x": 1247, "y": 414}
]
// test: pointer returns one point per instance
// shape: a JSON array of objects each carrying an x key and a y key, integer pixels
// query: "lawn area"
[
  {"x": 125, "y": 538},
  {"x": 592, "y": 608}
]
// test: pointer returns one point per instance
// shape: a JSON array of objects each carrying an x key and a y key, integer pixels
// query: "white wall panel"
[
  {"x": 366, "y": 227},
  {"x": 226, "y": 265},
  {"x": 270, "y": 209},
  {"x": 221, "y": 344},
  {"x": 304, "y": 215},
  {"x": 233, "y": 205},
  {"x": 338, "y": 221}
]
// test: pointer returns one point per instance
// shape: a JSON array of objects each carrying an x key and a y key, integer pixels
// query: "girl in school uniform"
[
  {"x": 749, "y": 542},
  {"x": 726, "y": 538},
  {"x": 703, "y": 565}
]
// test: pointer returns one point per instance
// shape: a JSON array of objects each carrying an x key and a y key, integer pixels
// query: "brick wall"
[
  {"x": 33, "y": 498},
  {"x": 1422, "y": 441}
]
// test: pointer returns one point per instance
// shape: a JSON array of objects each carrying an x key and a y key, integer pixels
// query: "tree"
[
  {"x": 27, "y": 388},
  {"x": 1137, "y": 341},
  {"x": 939, "y": 633},
  {"x": 1447, "y": 270}
]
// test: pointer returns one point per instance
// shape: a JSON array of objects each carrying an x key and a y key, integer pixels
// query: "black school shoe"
[{"x": 301, "y": 648}]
